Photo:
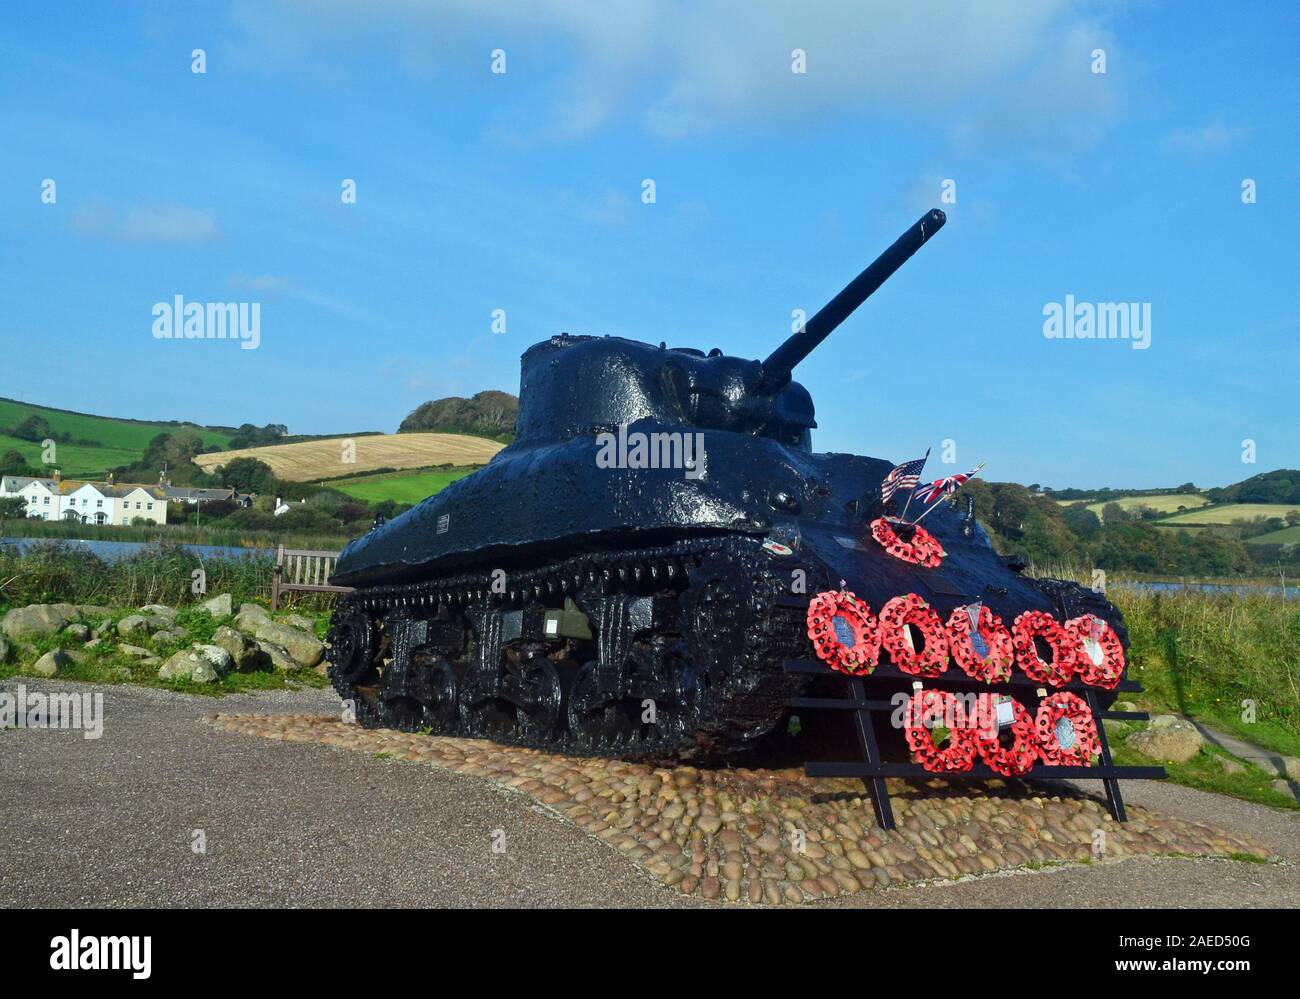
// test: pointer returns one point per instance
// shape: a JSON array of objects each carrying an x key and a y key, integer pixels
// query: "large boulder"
[
  {"x": 250, "y": 616},
  {"x": 159, "y": 610},
  {"x": 279, "y": 657},
  {"x": 170, "y": 636},
  {"x": 246, "y": 653},
  {"x": 219, "y": 606},
  {"x": 1169, "y": 738},
  {"x": 38, "y": 619},
  {"x": 298, "y": 621},
  {"x": 141, "y": 624},
  {"x": 134, "y": 651},
  {"x": 306, "y": 650},
  {"x": 201, "y": 664},
  {"x": 52, "y": 663}
]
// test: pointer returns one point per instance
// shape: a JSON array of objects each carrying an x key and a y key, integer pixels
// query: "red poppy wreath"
[
  {"x": 933, "y": 717},
  {"x": 1020, "y": 756},
  {"x": 1099, "y": 653},
  {"x": 1039, "y": 624},
  {"x": 844, "y": 634},
  {"x": 896, "y": 618},
  {"x": 995, "y": 665},
  {"x": 1067, "y": 735},
  {"x": 924, "y": 549}
]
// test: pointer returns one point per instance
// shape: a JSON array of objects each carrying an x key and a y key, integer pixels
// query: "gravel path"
[{"x": 112, "y": 822}]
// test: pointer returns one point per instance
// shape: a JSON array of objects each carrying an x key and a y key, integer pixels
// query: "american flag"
[
  {"x": 946, "y": 486},
  {"x": 904, "y": 476}
]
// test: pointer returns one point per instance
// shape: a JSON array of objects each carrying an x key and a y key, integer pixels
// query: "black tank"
[{"x": 629, "y": 575}]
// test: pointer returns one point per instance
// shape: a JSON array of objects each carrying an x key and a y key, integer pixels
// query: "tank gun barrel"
[{"x": 781, "y": 362}]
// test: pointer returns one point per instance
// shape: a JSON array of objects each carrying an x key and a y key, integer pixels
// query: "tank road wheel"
[
  {"x": 435, "y": 689},
  {"x": 542, "y": 722},
  {"x": 594, "y": 721},
  {"x": 353, "y": 641}
]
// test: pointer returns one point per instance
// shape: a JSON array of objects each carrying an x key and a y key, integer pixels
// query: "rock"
[
  {"x": 1174, "y": 740},
  {"x": 134, "y": 651},
  {"x": 1125, "y": 706},
  {"x": 38, "y": 619},
  {"x": 1282, "y": 787},
  {"x": 1292, "y": 766},
  {"x": 219, "y": 606},
  {"x": 306, "y": 650},
  {"x": 279, "y": 656},
  {"x": 51, "y": 663},
  {"x": 170, "y": 636},
  {"x": 218, "y": 662},
  {"x": 94, "y": 643},
  {"x": 121, "y": 673},
  {"x": 145, "y": 624},
  {"x": 159, "y": 610},
  {"x": 298, "y": 621},
  {"x": 323, "y": 667},
  {"x": 246, "y": 653},
  {"x": 1229, "y": 766},
  {"x": 250, "y": 616},
  {"x": 201, "y": 664},
  {"x": 152, "y": 662},
  {"x": 6, "y": 650},
  {"x": 79, "y": 632}
]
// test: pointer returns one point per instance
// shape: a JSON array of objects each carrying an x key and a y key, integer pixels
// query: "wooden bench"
[{"x": 301, "y": 569}]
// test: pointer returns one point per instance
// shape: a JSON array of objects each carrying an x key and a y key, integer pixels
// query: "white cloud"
[
  {"x": 678, "y": 70},
  {"x": 162, "y": 222},
  {"x": 1215, "y": 135}
]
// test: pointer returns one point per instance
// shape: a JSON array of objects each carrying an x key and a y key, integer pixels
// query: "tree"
[
  {"x": 12, "y": 508},
  {"x": 33, "y": 428},
  {"x": 1113, "y": 513},
  {"x": 13, "y": 462},
  {"x": 1081, "y": 520},
  {"x": 248, "y": 475},
  {"x": 1293, "y": 518}
]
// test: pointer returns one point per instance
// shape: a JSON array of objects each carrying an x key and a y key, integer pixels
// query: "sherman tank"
[{"x": 628, "y": 577}]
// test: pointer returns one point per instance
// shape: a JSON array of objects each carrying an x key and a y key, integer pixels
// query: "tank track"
[{"x": 682, "y": 661}]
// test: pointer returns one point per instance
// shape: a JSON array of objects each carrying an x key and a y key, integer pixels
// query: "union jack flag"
[
  {"x": 946, "y": 486},
  {"x": 904, "y": 476}
]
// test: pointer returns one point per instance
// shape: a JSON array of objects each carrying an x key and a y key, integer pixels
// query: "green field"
[
  {"x": 1232, "y": 511},
  {"x": 120, "y": 441},
  {"x": 1286, "y": 536},
  {"x": 402, "y": 487},
  {"x": 1161, "y": 503}
]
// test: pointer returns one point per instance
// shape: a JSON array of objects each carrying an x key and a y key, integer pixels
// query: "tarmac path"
[{"x": 117, "y": 821}]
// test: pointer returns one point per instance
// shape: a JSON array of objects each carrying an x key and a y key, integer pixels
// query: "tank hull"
[{"x": 684, "y": 591}]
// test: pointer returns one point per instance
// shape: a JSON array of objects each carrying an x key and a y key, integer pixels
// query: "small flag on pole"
[
  {"x": 904, "y": 476},
  {"x": 946, "y": 486}
]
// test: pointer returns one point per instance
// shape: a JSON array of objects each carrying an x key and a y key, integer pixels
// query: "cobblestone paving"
[{"x": 776, "y": 836}]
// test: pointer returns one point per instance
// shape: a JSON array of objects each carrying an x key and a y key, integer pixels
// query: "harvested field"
[{"x": 324, "y": 459}]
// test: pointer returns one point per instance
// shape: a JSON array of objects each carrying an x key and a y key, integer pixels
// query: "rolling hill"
[
  {"x": 1161, "y": 503},
  {"x": 324, "y": 459},
  {"x": 97, "y": 443}
]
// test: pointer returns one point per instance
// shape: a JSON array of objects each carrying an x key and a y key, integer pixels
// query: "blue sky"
[{"x": 522, "y": 191}]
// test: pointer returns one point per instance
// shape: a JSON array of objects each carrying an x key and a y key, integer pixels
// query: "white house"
[
  {"x": 87, "y": 502},
  {"x": 40, "y": 495},
  {"x": 135, "y": 501},
  {"x": 84, "y": 502}
]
